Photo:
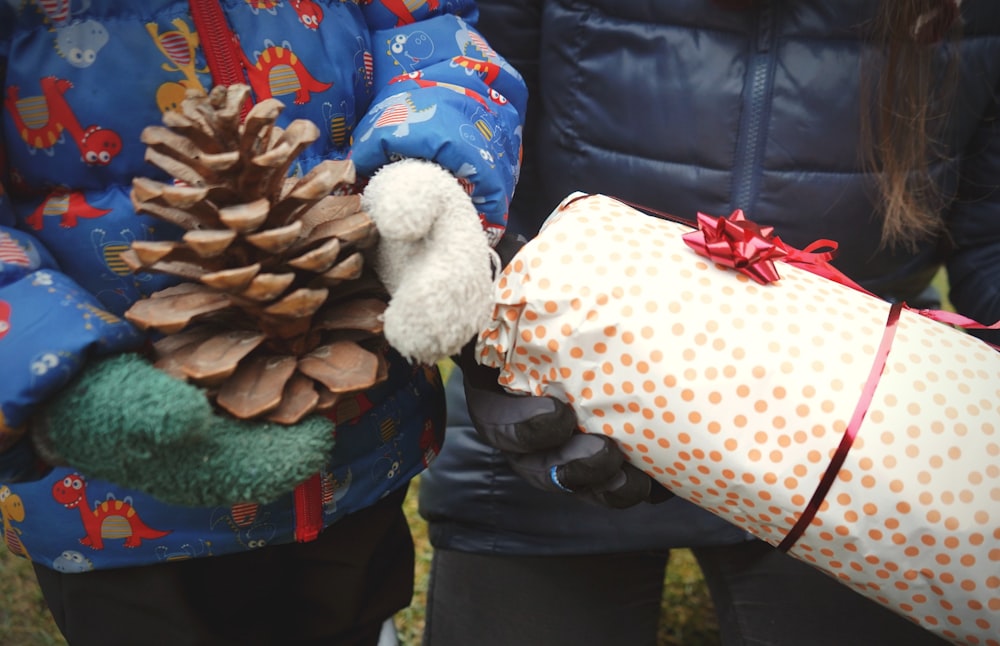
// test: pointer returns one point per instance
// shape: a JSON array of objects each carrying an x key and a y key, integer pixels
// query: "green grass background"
[{"x": 687, "y": 617}]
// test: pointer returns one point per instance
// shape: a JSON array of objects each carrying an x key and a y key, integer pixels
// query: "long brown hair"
[{"x": 900, "y": 133}]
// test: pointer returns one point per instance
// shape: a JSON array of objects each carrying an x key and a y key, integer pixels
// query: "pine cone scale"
[
  {"x": 257, "y": 386},
  {"x": 172, "y": 313},
  {"x": 208, "y": 244},
  {"x": 298, "y": 400},
  {"x": 348, "y": 269},
  {"x": 276, "y": 240},
  {"x": 218, "y": 357},
  {"x": 343, "y": 366}
]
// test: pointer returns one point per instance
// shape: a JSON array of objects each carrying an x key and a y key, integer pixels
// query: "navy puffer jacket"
[{"x": 684, "y": 106}]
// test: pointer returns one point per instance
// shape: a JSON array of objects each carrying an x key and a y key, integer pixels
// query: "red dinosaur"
[
  {"x": 41, "y": 120},
  {"x": 310, "y": 13},
  {"x": 67, "y": 206},
  {"x": 418, "y": 78},
  {"x": 278, "y": 71},
  {"x": 489, "y": 70},
  {"x": 110, "y": 519}
]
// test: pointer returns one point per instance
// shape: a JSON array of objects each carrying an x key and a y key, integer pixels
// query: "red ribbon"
[{"x": 850, "y": 433}]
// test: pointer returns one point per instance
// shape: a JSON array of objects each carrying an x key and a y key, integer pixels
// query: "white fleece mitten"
[{"x": 433, "y": 256}]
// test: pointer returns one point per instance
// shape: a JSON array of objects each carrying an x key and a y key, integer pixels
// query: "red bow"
[{"x": 738, "y": 243}]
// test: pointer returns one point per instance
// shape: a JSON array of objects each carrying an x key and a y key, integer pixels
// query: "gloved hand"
[
  {"x": 541, "y": 441},
  {"x": 433, "y": 257},
  {"x": 127, "y": 422}
]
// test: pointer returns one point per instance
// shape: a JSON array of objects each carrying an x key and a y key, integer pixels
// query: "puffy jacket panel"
[{"x": 685, "y": 107}]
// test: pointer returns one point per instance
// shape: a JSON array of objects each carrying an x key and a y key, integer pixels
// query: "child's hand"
[
  {"x": 127, "y": 422},
  {"x": 432, "y": 256}
]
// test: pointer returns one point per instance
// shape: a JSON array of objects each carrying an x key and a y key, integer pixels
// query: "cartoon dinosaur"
[
  {"x": 109, "y": 250},
  {"x": 399, "y": 111},
  {"x": 186, "y": 551},
  {"x": 468, "y": 40},
  {"x": 418, "y": 78},
  {"x": 109, "y": 519},
  {"x": 339, "y": 122},
  {"x": 54, "y": 368},
  {"x": 12, "y": 509},
  {"x": 277, "y": 71},
  {"x": 11, "y": 251},
  {"x": 244, "y": 514},
  {"x": 4, "y": 324},
  {"x": 177, "y": 46},
  {"x": 41, "y": 121},
  {"x": 310, "y": 14},
  {"x": 67, "y": 206},
  {"x": 490, "y": 71},
  {"x": 250, "y": 529},
  {"x": 410, "y": 50},
  {"x": 77, "y": 41},
  {"x": 364, "y": 66},
  {"x": 333, "y": 489},
  {"x": 72, "y": 562}
]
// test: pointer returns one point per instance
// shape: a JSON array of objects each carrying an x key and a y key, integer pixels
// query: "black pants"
[
  {"x": 762, "y": 597},
  {"x": 335, "y": 591}
]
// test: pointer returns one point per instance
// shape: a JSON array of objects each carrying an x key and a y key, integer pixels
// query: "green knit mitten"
[{"x": 127, "y": 422}]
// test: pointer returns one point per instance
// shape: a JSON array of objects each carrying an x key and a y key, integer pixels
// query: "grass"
[{"x": 24, "y": 618}]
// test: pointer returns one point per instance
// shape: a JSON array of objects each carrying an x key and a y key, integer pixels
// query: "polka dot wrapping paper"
[{"x": 735, "y": 395}]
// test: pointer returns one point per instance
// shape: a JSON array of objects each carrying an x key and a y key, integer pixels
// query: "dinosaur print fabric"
[{"x": 81, "y": 79}]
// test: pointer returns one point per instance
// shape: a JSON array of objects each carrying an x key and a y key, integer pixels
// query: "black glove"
[{"x": 541, "y": 441}]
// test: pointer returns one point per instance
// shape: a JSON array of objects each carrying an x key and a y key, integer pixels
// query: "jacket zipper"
[
  {"x": 756, "y": 112},
  {"x": 219, "y": 45},
  {"x": 308, "y": 509}
]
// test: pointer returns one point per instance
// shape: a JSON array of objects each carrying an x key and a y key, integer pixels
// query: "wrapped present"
[{"x": 858, "y": 436}]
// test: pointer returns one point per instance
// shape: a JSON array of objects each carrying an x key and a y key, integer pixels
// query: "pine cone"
[{"x": 278, "y": 315}]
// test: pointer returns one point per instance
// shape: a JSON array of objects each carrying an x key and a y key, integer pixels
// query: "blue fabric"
[
  {"x": 683, "y": 107},
  {"x": 52, "y": 326},
  {"x": 377, "y": 451},
  {"x": 426, "y": 87},
  {"x": 20, "y": 253},
  {"x": 80, "y": 83}
]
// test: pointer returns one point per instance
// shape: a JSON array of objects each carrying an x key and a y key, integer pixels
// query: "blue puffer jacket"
[
  {"x": 684, "y": 106},
  {"x": 384, "y": 79}
]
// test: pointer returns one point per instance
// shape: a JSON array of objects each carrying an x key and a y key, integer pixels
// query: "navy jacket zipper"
[
  {"x": 756, "y": 112},
  {"x": 219, "y": 45}
]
